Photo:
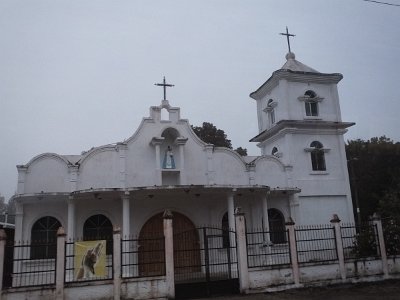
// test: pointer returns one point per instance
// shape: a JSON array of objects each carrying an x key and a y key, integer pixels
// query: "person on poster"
[{"x": 89, "y": 261}]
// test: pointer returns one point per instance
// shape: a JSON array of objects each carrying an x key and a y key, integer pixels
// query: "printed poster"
[{"x": 90, "y": 260}]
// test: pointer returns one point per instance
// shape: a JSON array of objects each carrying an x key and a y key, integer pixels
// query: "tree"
[
  {"x": 210, "y": 134},
  {"x": 374, "y": 168}
]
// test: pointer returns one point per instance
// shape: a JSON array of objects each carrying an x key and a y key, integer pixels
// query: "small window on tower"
[
  {"x": 317, "y": 156},
  {"x": 270, "y": 110},
  {"x": 274, "y": 151},
  {"x": 311, "y": 104}
]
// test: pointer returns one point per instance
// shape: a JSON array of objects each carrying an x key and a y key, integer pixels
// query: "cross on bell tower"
[
  {"x": 164, "y": 85},
  {"x": 288, "y": 35}
]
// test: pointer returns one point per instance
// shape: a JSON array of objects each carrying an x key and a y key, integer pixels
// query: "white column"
[
  {"x": 126, "y": 215},
  {"x": 382, "y": 247},
  {"x": 60, "y": 264},
  {"x": 293, "y": 251},
  {"x": 3, "y": 238},
  {"x": 71, "y": 218},
  {"x": 231, "y": 219},
  {"x": 158, "y": 165},
  {"x": 242, "y": 253},
  {"x": 169, "y": 255},
  {"x": 117, "y": 262},
  {"x": 339, "y": 245},
  {"x": 19, "y": 211},
  {"x": 231, "y": 211},
  {"x": 265, "y": 211}
]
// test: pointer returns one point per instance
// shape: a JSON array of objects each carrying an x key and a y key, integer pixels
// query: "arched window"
[
  {"x": 274, "y": 151},
  {"x": 44, "y": 238},
  {"x": 317, "y": 156},
  {"x": 271, "y": 111},
  {"x": 225, "y": 231},
  {"x": 276, "y": 222},
  {"x": 311, "y": 104},
  {"x": 99, "y": 227}
]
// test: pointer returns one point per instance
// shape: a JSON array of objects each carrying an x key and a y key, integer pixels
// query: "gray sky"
[{"x": 78, "y": 74}]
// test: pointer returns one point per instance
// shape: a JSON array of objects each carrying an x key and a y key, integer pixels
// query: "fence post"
[
  {"x": 117, "y": 262},
  {"x": 376, "y": 219},
  {"x": 339, "y": 245},
  {"x": 60, "y": 263},
  {"x": 241, "y": 251},
  {"x": 293, "y": 251},
  {"x": 3, "y": 239},
  {"x": 169, "y": 254}
]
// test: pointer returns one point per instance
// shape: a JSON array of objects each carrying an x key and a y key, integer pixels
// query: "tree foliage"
[
  {"x": 210, "y": 134},
  {"x": 374, "y": 169}
]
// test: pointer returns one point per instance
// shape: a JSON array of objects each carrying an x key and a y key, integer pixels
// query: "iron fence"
[
  {"x": 391, "y": 233},
  {"x": 262, "y": 252},
  {"x": 30, "y": 264},
  {"x": 205, "y": 254},
  {"x": 360, "y": 241},
  {"x": 142, "y": 257},
  {"x": 316, "y": 243},
  {"x": 88, "y": 260}
]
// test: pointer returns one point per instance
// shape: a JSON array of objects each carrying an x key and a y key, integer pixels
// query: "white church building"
[{"x": 301, "y": 172}]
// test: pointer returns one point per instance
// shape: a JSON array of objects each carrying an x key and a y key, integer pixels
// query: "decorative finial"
[
  {"x": 287, "y": 34},
  {"x": 164, "y": 85}
]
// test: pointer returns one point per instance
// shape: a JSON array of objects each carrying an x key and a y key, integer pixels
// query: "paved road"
[{"x": 386, "y": 290}]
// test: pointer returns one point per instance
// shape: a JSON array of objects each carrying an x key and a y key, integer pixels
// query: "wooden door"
[{"x": 186, "y": 245}]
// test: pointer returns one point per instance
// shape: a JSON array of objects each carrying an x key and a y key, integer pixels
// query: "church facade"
[{"x": 300, "y": 174}]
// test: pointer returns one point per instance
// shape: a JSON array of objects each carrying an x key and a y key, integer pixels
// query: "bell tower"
[{"x": 299, "y": 121}]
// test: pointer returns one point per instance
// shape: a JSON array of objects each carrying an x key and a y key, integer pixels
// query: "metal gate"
[{"x": 205, "y": 262}]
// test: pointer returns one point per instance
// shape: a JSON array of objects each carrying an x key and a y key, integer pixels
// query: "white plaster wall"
[
  {"x": 259, "y": 278},
  {"x": 47, "y": 174},
  {"x": 229, "y": 169},
  {"x": 319, "y": 209},
  {"x": 99, "y": 170},
  {"x": 269, "y": 171},
  {"x": 89, "y": 291},
  {"x": 35, "y": 211}
]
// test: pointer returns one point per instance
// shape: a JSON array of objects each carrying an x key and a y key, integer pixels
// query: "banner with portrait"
[{"x": 90, "y": 260}]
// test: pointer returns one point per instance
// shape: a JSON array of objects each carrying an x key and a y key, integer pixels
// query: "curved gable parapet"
[
  {"x": 193, "y": 135},
  {"x": 92, "y": 152},
  {"x": 136, "y": 134},
  {"x": 229, "y": 167},
  {"x": 271, "y": 158},
  {"x": 269, "y": 170},
  {"x": 47, "y": 172},
  {"x": 39, "y": 157},
  {"x": 231, "y": 152}
]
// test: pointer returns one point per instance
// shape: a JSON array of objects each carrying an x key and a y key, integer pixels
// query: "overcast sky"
[{"x": 79, "y": 74}]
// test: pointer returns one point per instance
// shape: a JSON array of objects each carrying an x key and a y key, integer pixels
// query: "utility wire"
[{"x": 383, "y": 3}]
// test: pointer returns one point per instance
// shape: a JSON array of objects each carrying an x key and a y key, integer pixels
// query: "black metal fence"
[
  {"x": 262, "y": 252},
  {"x": 142, "y": 257},
  {"x": 360, "y": 241},
  {"x": 316, "y": 243},
  {"x": 88, "y": 260},
  {"x": 30, "y": 265},
  {"x": 205, "y": 254}
]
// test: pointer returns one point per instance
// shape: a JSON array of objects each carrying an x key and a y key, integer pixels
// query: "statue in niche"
[{"x": 169, "y": 162}]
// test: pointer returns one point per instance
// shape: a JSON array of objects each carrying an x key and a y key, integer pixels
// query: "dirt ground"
[{"x": 385, "y": 290}]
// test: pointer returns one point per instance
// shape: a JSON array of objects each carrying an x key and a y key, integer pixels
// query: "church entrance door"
[
  {"x": 214, "y": 271},
  {"x": 149, "y": 237}
]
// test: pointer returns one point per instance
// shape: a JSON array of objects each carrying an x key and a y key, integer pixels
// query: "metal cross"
[
  {"x": 164, "y": 85},
  {"x": 287, "y": 36}
]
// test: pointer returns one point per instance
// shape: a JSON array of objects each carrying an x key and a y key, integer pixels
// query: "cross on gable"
[
  {"x": 287, "y": 34},
  {"x": 164, "y": 85}
]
